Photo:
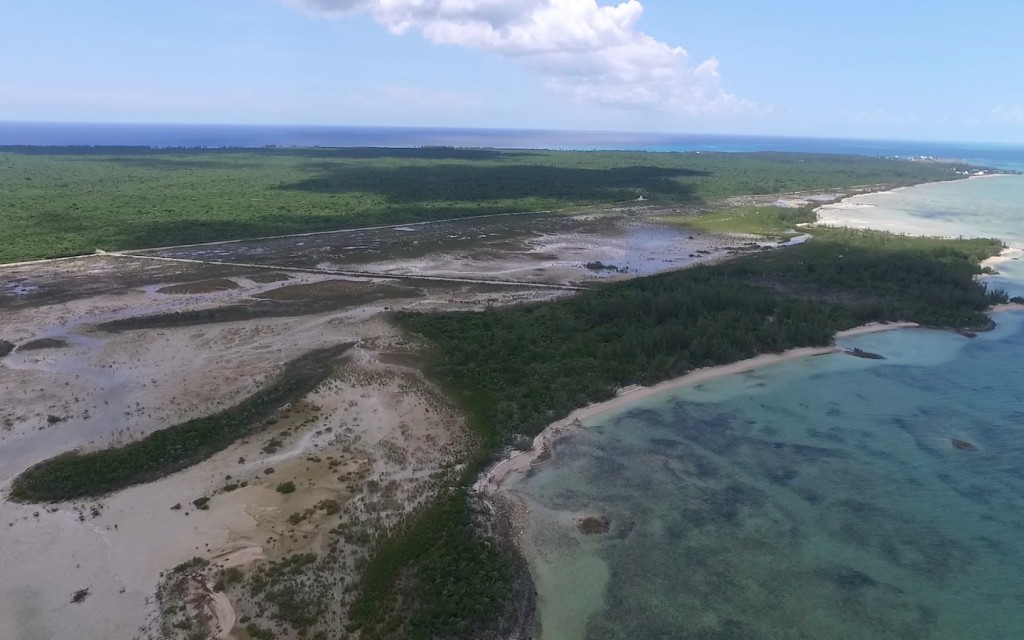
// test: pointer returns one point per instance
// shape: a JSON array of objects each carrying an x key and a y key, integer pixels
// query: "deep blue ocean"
[{"x": 188, "y": 135}]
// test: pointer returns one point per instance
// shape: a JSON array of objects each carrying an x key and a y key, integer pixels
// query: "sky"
[{"x": 891, "y": 69}]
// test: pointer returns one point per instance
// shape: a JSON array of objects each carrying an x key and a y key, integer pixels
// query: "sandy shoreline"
[
  {"x": 1006, "y": 255},
  {"x": 843, "y": 213},
  {"x": 519, "y": 461},
  {"x": 494, "y": 477},
  {"x": 1009, "y": 306}
]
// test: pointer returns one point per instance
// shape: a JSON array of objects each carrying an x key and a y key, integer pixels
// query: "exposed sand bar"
[
  {"x": 519, "y": 461},
  {"x": 1006, "y": 255},
  {"x": 1009, "y": 306}
]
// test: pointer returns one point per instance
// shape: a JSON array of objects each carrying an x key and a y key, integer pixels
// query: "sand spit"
[
  {"x": 1009, "y": 306},
  {"x": 1006, "y": 255},
  {"x": 519, "y": 461}
]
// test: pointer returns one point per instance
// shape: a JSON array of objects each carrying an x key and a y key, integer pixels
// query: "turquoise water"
[
  {"x": 990, "y": 207},
  {"x": 817, "y": 498}
]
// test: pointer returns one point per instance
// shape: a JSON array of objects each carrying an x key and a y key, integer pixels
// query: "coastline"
[
  {"x": 492, "y": 480},
  {"x": 492, "y": 486},
  {"x": 1006, "y": 255},
  {"x": 1008, "y": 306},
  {"x": 827, "y": 213}
]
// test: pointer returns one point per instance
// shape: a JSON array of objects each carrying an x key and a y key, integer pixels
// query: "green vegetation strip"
[
  {"x": 288, "y": 301},
  {"x": 516, "y": 370},
  {"x": 63, "y": 201},
  {"x": 767, "y": 220},
  {"x": 80, "y": 475}
]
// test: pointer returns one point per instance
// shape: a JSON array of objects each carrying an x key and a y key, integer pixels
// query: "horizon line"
[{"x": 610, "y": 132}]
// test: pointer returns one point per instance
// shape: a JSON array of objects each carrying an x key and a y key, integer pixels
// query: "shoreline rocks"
[
  {"x": 593, "y": 525},
  {"x": 857, "y": 352},
  {"x": 963, "y": 445}
]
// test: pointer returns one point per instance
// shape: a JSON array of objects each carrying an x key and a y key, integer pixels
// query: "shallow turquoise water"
[
  {"x": 818, "y": 498},
  {"x": 989, "y": 207},
  {"x": 815, "y": 499}
]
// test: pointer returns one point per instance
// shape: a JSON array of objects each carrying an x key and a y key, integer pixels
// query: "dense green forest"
[
  {"x": 79, "y": 475},
  {"x": 73, "y": 200},
  {"x": 516, "y": 370}
]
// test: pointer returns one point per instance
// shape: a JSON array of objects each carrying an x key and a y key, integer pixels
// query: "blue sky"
[{"x": 941, "y": 71}]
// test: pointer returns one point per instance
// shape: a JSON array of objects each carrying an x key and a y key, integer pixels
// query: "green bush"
[{"x": 76, "y": 475}]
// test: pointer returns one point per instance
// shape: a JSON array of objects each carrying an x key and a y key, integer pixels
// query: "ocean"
[
  {"x": 215, "y": 136},
  {"x": 817, "y": 498}
]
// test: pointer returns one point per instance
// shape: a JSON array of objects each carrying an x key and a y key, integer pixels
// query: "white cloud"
[
  {"x": 588, "y": 52},
  {"x": 1011, "y": 114}
]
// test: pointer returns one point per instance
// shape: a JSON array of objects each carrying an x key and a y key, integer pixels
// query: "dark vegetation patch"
[
  {"x": 6, "y": 347},
  {"x": 268, "y": 277},
  {"x": 593, "y": 525},
  {"x": 78, "y": 475},
  {"x": 410, "y": 359},
  {"x": 846, "y": 578},
  {"x": 78, "y": 279},
  {"x": 436, "y": 578},
  {"x": 347, "y": 292},
  {"x": 516, "y": 370},
  {"x": 287, "y": 301},
  {"x": 60, "y": 201},
  {"x": 284, "y": 586},
  {"x": 43, "y": 343},
  {"x": 203, "y": 286}
]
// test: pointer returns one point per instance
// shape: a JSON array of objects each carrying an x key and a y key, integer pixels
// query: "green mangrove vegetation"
[
  {"x": 58, "y": 201},
  {"x": 516, "y": 370},
  {"x": 78, "y": 475}
]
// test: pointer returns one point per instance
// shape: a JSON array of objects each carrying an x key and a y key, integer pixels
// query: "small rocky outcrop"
[
  {"x": 857, "y": 352},
  {"x": 593, "y": 525},
  {"x": 5, "y": 347},
  {"x": 963, "y": 445}
]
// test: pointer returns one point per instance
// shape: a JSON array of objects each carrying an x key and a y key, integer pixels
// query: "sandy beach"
[
  {"x": 519, "y": 461},
  {"x": 1009, "y": 306},
  {"x": 1006, "y": 255},
  {"x": 871, "y": 211}
]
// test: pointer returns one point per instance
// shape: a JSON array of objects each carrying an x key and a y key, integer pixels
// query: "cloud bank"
[{"x": 587, "y": 52}]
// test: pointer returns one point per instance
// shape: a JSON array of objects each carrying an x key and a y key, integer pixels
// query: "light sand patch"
[
  {"x": 374, "y": 425},
  {"x": 1009, "y": 306}
]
